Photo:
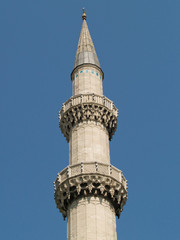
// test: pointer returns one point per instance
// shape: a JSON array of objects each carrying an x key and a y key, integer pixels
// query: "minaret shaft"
[
  {"x": 87, "y": 79},
  {"x": 90, "y": 192},
  {"x": 91, "y": 218},
  {"x": 88, "y": 141}
]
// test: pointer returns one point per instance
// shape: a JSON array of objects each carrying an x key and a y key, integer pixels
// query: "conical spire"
[{"x": 85, "y": 51}]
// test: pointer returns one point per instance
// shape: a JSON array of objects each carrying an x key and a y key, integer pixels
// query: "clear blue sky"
[{"x": 138, "y": 46}]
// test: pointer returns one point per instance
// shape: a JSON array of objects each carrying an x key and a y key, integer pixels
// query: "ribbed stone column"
[
  {"x": 89, "y": 142},
  {"x": 91, "y": 218},
  {"x": 90, "y": 192}
]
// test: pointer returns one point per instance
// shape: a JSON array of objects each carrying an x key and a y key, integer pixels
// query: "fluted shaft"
[{"x": 91, "y": 218}]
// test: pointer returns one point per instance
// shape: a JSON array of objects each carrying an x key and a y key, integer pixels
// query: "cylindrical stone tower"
[{"x": 90, "y": 192}]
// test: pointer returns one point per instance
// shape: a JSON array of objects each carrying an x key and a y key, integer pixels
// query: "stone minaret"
[{"x": 90, "y": 192}]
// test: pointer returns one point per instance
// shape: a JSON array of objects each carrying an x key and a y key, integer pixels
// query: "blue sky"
[{"x": 137, "y": 43}]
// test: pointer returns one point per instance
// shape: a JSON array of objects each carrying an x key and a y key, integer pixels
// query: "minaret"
[{"x": 90, "y": 192}]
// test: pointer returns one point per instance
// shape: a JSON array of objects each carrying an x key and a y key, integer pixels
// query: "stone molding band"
[
  {"x": 88, "y": 107},
  {"x": 90, "y": 184}
]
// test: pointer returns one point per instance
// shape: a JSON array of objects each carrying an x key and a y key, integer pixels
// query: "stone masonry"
[{"x": 90, "y": 192}]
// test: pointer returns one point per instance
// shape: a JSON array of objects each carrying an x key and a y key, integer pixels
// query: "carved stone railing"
[
  {"x": 90, "y": 178},
  {"x": 88, "y": 107},
  {"x": 91, "y": 167},
  {"x": 89, "y": 98}
]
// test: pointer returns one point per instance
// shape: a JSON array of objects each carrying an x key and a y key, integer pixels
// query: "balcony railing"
[
  {"x": 91, "y": 168},
  {"x": 89, "y": 98}
]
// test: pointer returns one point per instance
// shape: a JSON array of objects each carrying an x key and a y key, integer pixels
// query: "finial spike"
[{"x": 84, "y": 14}]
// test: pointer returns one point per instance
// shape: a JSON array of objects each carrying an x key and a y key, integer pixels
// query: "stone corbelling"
[
  {"x": 89, "y": 107},
  {"x": 101, "y": 183},
  {"x": 90, "y": 184}
]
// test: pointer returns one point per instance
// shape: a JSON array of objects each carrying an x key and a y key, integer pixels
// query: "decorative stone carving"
[
  {"x": 68, "y": 188},
  {"x": 85, "y": 108},
  {"x": 91, "y": 167}
]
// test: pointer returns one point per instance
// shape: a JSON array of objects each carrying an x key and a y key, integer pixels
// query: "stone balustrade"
[
  {"x": 91, "y": 167},
  {"x": 88, "y": 98}
]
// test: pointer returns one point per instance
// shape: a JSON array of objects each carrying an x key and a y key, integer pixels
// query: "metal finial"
[{"x": 84, "y": 14}]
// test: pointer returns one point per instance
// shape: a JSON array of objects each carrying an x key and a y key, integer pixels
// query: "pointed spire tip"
[
  {"x": 84, "y": 14},
  {"x": 85, "y": 53}
]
